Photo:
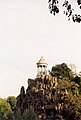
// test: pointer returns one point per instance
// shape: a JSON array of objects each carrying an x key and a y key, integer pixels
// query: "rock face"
[{"x": 39, "y": 95}]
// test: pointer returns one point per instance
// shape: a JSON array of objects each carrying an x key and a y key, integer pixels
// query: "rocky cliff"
[{"x": 39, "y": 95}]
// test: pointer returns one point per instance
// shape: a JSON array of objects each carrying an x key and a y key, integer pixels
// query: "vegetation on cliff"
[{"x": 56, "y": 96}]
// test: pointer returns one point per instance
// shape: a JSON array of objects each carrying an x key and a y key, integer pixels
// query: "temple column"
[
  {"x": 38, "y": 70},
  {"x": 41, "y": 70},
  {"x": 45, "y": 70}
]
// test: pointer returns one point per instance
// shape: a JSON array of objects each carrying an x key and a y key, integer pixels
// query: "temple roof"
[{"x": 42, "y": 61}]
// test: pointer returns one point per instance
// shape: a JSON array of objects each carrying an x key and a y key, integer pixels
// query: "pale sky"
[{"x": 27, "y": 32}]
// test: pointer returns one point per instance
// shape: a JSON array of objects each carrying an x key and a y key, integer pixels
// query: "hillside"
[{"x": 51, "y": 98}]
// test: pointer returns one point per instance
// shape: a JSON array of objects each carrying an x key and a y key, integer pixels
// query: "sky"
[{"x": 27, "y": 32}]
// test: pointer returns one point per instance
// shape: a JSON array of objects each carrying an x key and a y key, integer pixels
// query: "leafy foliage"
[
  {"x": 20, "y": 98},
  {"x": 5, "y": 110},
  {"x": 67, "y": 101},
  {"x": 79, "y": 3},
  {"x": 61, "y": 71},
  {"x": 29, "y": 114},
  {"x": 77, "y": 80},
  {"x": 54, "y": 8},
  {"x": 12, "y": 101}
]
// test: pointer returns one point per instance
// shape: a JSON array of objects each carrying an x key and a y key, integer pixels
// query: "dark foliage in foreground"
[{"x": 69, "y": 11}]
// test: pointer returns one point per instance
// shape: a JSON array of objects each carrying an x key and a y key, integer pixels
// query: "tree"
[
  {"x": 18, "y": 115},
  {"x": 20, "y": 99},
  {"x": 61, "y": 71},
  {"x": 12, "y": 101},
  {"x": 72, "y": 107},
  {"x": 77, "y": 80},
  {"x": 5, "y": 110},
  {"x": 69, "y": 11},
  {"x": 29, "y": 114},
  {"x": 67, "y": 101}
]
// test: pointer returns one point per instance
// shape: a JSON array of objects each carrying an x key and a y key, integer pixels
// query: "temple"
[{"x": 41, "y": 67}]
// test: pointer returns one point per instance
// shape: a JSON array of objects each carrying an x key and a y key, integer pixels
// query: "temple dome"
[{"x": 42, "y": 61}]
